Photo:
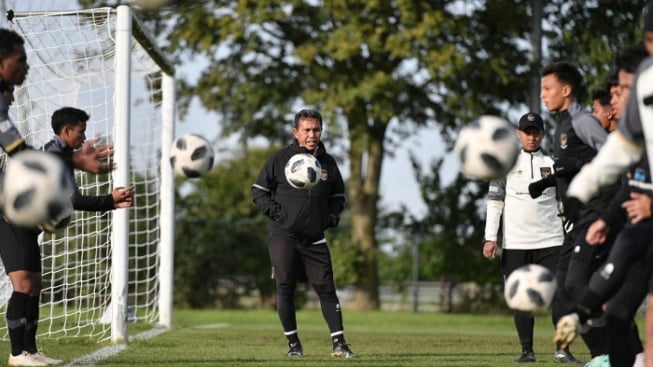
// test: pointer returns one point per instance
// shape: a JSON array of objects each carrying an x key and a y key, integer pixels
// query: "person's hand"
[
  {"x": 489, "y": 249},
  {"x": 276, "y": 212},
  {"x": 571, "y": 208},
  {"x": 566, "y": 167},
  {"x": 536, "y": 188},
  {"x": 567, "y": 330},
  {"x": 597, "y": 232},
  {"x": 123, "y": 197},
  {"x": 92, "y": 159},
  {"x": 638, "y": 207}
]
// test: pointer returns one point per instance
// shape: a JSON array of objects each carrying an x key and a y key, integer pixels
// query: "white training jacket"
[{"x": 527, "y": 223}]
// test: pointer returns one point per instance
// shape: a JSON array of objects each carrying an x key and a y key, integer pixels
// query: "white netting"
[{"x": 71, "y": 57}]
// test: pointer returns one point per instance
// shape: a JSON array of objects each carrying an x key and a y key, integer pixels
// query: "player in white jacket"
[{"x": 532, "y": 228}]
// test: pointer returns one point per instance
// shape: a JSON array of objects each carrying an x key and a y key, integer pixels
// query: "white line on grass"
[
  {"x": 219, "y": 325},
  {"x": 112, "y": 350}
]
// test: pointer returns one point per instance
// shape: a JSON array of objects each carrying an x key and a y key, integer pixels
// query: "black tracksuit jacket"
[{"x": 302, "y": 214}]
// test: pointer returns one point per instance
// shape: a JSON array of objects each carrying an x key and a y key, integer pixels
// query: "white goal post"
[{"x": 105, "y": 269}]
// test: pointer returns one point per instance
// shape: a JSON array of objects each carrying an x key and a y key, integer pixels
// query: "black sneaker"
[
  {"x": 342, "y": 350},
  {"x": 564, "y": 356},
  {"x": 295, "y": 350},
  {"x": 526, "y": 356}
]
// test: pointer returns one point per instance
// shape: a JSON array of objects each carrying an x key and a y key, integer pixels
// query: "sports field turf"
[{"x": 254, "y": 338}]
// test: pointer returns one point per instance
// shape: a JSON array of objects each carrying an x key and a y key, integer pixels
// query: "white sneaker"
[
  {"x": 43, "y": 358},
  {"x": 25, "y": 359}
]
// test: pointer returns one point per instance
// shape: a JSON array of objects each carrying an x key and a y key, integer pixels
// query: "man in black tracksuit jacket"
[
  {"x": 297, "y": 221},
  {"x": 577, "y": 138}
]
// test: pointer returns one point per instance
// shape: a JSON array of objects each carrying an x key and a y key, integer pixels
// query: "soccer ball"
[
  {"x": 487, "y": 148},
  {"x": 62, "y": 220},
  {"x": 191, "y": 156},
  {"x": 530, "y": 288},
  {"x": 37, "y": 190},
  {"x": 303, "y": 171}
]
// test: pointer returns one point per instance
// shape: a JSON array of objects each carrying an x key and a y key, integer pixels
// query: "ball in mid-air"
[
  {"x": 37, "y": 191},
  {"x": 191, "y": 156},
  {"x": 303, "y": 171},
  {"x": 530, "y": 288},
  {"x": 487, "y": 148}
]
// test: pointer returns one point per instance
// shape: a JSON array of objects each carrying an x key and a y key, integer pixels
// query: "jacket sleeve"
[
  {"x": 589, "y": 130},
  {"x": 263, "y": 190},
  {"x": 337, "y": 197},
  {"x": 11, "y": 140},
  {"x": 495, "y": 201},
  {"x": 101, "y": 203}
]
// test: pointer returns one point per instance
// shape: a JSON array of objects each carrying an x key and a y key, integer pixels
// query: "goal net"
[{"x": 75, "y": 60}]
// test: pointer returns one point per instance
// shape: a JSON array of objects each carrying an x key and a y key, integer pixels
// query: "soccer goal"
[{"x": 105, "y": 269}]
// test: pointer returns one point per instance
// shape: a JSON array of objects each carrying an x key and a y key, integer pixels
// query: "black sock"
[
  {"x": 16, "y": 308},
  {"x": 524, "y": 323},
  {"x": 31, "y": 323}
]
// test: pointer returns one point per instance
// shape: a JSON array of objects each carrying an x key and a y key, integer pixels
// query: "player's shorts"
[
  {"x": 513, "y": 259},
  {"x": 19, "y": 248},
  {"x": 294, "y": 260}
]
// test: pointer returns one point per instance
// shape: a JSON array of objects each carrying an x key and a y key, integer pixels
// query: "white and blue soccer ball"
[
  {"x": 303, "y": 171},
  {"x": 487, "y": 148},
  {"x": 191, "y": 156},
  {"x": 530, "y": 288},
  {"x": 37, "y": 191}
]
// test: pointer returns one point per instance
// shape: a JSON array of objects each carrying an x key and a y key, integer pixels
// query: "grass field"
[{"x": 254, "y": 338}]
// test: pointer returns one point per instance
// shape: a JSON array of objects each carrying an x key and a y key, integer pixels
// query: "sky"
[{"x": 398, "y": 185}]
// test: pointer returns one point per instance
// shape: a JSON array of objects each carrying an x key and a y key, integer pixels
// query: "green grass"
[{"x": 254, "y": 338}]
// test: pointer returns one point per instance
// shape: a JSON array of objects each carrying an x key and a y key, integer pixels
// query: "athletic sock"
[
  {"x": 31, "y": 323},
  {"x": 16, "y": 308}
]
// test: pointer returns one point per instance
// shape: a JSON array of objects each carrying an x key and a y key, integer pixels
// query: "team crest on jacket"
[
  {"x": 563, "y": 141},
  {"x": 324, "y": 175},
  {"x": 545, "y": 171}
]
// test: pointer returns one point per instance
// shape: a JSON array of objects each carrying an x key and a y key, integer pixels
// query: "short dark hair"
[
  {"x": 567, "y": 73},
  {"x": 8, "y": 41},
  {"x": 602, "y": 95},
  {"x": 308, "y": 113},
  {"x": 67, "y": 116},
  {"x": 630, "y": 57}
]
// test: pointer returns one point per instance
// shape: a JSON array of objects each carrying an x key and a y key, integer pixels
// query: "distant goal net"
[{"x": 104, "y": 270}]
